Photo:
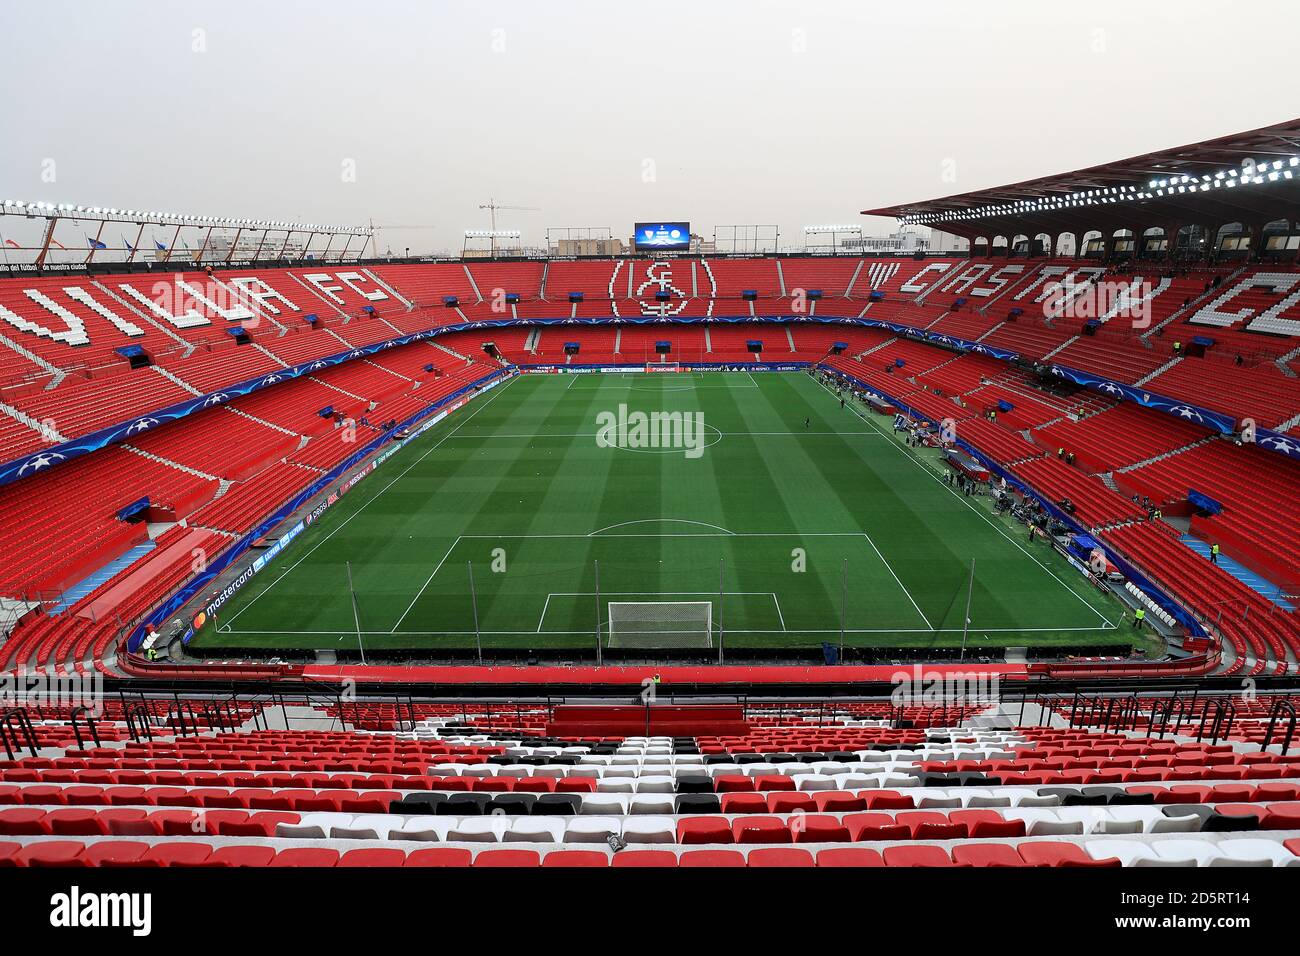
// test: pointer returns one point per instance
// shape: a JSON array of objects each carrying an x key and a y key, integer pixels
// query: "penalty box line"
[
  {"x": 713, "y": 534},
  {"x": 716, "y": 534},
  {"x": 710, "y": 594},
  {"x": 1106, "y": 624}
]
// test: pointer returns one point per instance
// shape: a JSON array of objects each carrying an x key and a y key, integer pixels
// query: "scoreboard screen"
[{"x": 662, "y": 236}]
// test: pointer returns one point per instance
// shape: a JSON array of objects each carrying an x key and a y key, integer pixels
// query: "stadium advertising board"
[{"x": 662, "y": 236}]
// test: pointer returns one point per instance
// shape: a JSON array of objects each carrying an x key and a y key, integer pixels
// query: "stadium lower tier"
[
  {"x": 115, "y": 524},
  {"x": 836, "y": 784}
]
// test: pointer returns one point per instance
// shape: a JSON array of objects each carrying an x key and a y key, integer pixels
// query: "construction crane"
[{"x": 492, "y": 206}]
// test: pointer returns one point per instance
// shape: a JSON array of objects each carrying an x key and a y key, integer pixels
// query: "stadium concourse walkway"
[
  {"x": 842, "y": 783},
  {"x": 636, "y": 674}
]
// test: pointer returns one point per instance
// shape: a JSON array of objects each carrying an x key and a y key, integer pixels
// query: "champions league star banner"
[
  {"x": 56, "y": 454},
  {"x": 1288, "y": 445},
  {"x": 178, "y": 599},
  {"x": 1225, "y": 424}
]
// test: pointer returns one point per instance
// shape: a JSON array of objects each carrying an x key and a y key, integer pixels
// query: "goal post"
[{"x": 651, "y": 624}]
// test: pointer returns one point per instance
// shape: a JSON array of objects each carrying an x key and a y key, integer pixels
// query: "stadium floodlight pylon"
[{"x": 659, "y": 624}]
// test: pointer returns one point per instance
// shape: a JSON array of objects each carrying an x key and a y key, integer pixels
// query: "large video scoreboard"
[{"x": 662, "y": 236}]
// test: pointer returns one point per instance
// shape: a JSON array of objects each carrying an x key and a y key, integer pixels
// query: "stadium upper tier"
[{"x": 81, "y": 353}]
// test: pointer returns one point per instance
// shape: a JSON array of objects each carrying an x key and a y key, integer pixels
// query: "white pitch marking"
[
  {"x": 890, "y": 569},
  {"x": 427, "y": 582},
  {"x": 496, "y": 392},
  {"x": 802, "y": 630},
  {"x": 1001, "y": 530},
  {"x": 623, "y": 524}
]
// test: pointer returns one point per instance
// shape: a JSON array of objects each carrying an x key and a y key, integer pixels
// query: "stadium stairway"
[
  {"x": 1242, "y": 573},
  {"x": 82, "y": 588},
  {"x": 830, "y": 786}
]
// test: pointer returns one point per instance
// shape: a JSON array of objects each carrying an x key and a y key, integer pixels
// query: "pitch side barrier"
[
  {"x": 1157, "y": 593},
  {"x": 424, "y": 419},
  {"x": 677, "y": 685},
  {"x": 35, "y": 462}
]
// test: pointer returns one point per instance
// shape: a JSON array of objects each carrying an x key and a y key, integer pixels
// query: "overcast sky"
[{"x": 605, "y": 112}]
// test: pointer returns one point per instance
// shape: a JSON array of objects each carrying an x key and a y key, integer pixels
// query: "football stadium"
[{"x": 962, "y": 533}]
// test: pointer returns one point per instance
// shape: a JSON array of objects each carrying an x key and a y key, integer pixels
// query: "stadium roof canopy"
[{"x": 1252, "y": 178}]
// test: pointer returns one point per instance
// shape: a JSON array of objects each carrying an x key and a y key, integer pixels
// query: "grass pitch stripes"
[{"x": 517, "y": 484}]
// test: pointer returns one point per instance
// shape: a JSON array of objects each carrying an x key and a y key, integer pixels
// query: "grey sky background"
[{"x": 750, "y": 112}]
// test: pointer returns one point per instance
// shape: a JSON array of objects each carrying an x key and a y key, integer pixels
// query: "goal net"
[{"x": 660, "y": 624}]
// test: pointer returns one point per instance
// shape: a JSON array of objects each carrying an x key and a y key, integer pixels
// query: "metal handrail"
[
  {"x": 90, "y": 725},
  {"x": 18, "y": 716},
  {"x": 1280, "y": 706}
]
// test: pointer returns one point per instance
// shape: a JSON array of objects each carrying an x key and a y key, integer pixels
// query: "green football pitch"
[{"x": 794, "y": 518}]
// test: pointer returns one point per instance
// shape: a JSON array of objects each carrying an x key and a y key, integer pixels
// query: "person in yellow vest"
[
  {"x": 1214, "y": 554},
  {"x": 1139, "y": 616}
]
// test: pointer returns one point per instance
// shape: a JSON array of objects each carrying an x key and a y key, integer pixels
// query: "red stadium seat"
[
  {"x": 50, "y": 853},
  {"x": 987, "y": 854},
  {"x": 849, "y": 856},
  {"x": 306, "y": 856},
  {"x": 1053, "y": 853},
  {"x": 576, "y": 858},
  {"x": 507, "y": 858},
  {"x": 439, "y": 856},
  {"x": 645, "y": 858},
  {"x": 779, "y": 856},
  {"x": 373, "y": 857},
  {"x": 241, "y": 856},
  {"x": 114, "y": 853},
  {"x": 177, "y": 854},
  {"x": 710, "y": 858}
]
